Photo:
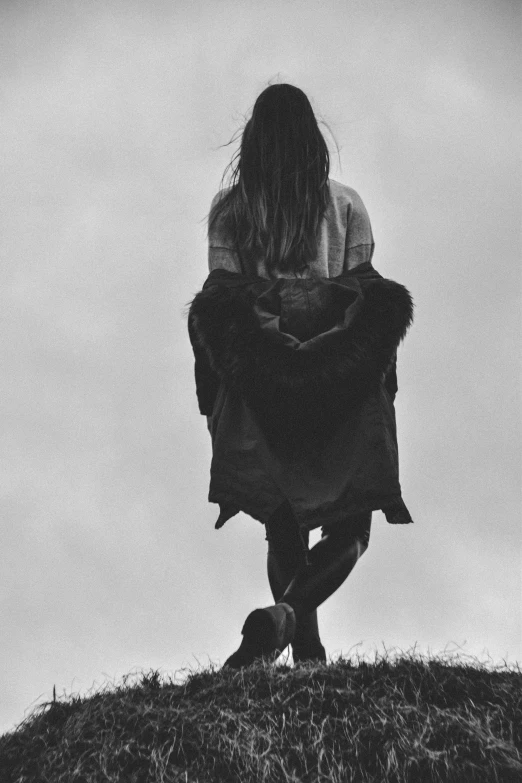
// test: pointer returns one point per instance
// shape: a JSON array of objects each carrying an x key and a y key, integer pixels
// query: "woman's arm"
[
  {"x": 207, "y": 381},
  {"x": 221, "y": 252},
  {"x": 359, "y": 237},
  {"x": 390, "y": 379},
  {"x": 223, "y": 258}
]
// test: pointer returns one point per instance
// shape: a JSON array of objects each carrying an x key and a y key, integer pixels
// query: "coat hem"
[{"x": 393, "y": 508}]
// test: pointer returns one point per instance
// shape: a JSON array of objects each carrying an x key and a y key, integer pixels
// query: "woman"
[{"x": 295, "y": 338}]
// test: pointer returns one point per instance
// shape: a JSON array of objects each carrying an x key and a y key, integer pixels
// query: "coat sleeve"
[
  {"x": 390, "y": 379},
  {"x": 207, "y": 380}
]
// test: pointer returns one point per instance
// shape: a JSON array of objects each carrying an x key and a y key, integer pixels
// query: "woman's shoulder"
[
  {"x": 343, "y": 193},
  {"x": 219, "y": 195}
]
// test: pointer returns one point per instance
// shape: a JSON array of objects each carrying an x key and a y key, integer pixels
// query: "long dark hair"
[{"x": 279, "y": 183}]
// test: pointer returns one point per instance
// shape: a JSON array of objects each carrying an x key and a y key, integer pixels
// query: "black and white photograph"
[{"x": 260, "y": 451}]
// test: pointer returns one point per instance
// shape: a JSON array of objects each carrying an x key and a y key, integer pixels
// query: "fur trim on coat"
[{"x": 303, "y": 386}]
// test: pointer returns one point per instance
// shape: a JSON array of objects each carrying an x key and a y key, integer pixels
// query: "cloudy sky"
[{"x": 111, "y": 119}]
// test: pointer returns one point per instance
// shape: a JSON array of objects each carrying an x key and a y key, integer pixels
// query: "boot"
[
  {"x": 266, "y": 633},
  {"x": 306, "y": 644},
  {"x": 308, "y": 649}
]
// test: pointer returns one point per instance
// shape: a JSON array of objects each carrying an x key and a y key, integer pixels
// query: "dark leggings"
[{"x": 305, "y": 578}]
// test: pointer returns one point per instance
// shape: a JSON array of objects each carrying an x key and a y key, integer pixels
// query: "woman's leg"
[
  {"x": 286, "y": 551},
  {"x": 330, "y": 562}
]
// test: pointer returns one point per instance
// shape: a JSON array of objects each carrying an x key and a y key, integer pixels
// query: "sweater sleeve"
[
  {"x": 359, "y": 237},
  {"x": 221, "y": 252},
  {"x": 223, "y": 258}
]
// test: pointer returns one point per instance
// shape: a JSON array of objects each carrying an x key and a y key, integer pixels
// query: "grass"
[{"x": 392, "y": 720}]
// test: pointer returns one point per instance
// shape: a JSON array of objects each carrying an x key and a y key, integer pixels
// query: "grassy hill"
[{"x": 401, "y": 720}]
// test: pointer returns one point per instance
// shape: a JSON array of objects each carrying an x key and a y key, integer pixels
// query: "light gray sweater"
[{"x": 345, "y": 240}]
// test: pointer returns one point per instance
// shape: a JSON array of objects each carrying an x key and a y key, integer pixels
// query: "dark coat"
[{"x": 299, "y": 377}]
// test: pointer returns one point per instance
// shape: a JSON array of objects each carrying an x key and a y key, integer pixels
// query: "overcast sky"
[{"x": 111, "y": 119}]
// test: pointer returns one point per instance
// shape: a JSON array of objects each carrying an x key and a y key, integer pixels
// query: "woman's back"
[{"x": 345, "y": 240}]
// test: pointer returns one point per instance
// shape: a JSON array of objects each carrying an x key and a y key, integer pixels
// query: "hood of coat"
[{"x": 288, "y": 342}]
